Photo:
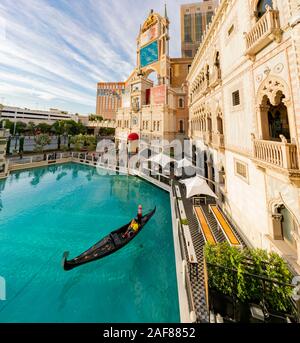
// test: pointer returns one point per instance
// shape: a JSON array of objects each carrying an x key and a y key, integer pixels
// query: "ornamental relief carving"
[
  {"x": 278, "y": 68},
  {"x": 273, "y": 88}
]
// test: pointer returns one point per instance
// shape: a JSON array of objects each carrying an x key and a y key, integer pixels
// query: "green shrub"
[{"x": 237, "y": 272}]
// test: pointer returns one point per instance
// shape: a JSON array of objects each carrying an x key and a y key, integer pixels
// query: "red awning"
[{"x": 133, "y": 136}]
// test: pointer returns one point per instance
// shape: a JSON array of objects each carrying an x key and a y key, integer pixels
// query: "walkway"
[{"x": 197, "y": 283}]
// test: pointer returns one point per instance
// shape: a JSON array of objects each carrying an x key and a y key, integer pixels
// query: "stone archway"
[
  {"x": 258, "y": 7},
  {"x": 220, "y": 124},
  {"x": 285, "y": 226},
  {"x": 274, "y": 110}
]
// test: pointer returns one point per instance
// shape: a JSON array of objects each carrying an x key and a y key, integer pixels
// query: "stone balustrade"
[
  {"x": 279, "y": 154},
  {"x": 104, "y": 123},
  {"x": 266, "y": 30},
  {"x": 207, "y": 135},
  {"x": 218, "y": 140}
]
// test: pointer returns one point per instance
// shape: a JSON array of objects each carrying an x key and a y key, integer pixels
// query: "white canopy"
[
  {"x": 184, "y": 163},
  {"x": 196, "y": 186},
  {"x": 161, "y": 159}
]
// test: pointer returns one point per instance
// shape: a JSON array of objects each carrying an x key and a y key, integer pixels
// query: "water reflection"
[
  {"x": 61, "y": 175},
  {"x": 2, "y": 187},
  {"x": 61, "y": 171},
  {"x": 125, "y": 188}
]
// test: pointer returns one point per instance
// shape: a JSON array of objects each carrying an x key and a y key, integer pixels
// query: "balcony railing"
[
  {"x": 279, "y": 154},
  {"x": 266, "y": 30},
  {"x": 104, "y": 123},
  {"x": 202, "y": 89},
  {"x": 218, "y": 140},
  {"x": 207, "y": 136}
]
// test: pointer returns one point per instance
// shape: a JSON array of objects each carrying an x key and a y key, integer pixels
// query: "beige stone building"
[
  {"x": 109, "y": 99},
  {"x": 154, "y": 104},
  {"x": 244, "y": 103},
  {"x": 194, "y": 18}
]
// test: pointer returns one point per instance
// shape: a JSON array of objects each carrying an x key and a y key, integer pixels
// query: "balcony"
[
  {"x": 218, "y": 141},
  {"x": 207, "y": 137},
  {"x": 266, "y": 30},
  {"x": 215, "y": 78},
  {"x": 201, "y": 90},
  {"x": 279, "y": 156}
]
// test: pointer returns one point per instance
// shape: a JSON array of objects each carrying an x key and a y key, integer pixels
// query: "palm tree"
[
  {"x": 41, "y": 141},
  {"x": 31, "y": 128}
]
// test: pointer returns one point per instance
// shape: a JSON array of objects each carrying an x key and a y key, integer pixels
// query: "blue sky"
[{"x": 53, "y": 52}]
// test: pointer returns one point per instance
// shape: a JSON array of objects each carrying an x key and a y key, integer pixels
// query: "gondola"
[{"x": 108, "y": 245}]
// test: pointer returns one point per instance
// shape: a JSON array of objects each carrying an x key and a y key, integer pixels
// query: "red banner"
[{"x": 159, "y": 95}]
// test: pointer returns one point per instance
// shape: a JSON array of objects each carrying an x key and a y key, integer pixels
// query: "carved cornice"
[{"x": 209, "y": 34}]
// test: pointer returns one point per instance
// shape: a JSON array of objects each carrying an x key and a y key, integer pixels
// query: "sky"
[{"x": 53, "y": 52}]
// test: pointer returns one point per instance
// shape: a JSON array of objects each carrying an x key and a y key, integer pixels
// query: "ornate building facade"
[
  {"x": 154, "y": 108},
  {"x": 244, "y": 105}
]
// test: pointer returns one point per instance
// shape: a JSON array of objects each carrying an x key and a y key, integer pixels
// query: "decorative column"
[
  {"x": 263, "y": 120},
  {"x": 277, "y": 226}
]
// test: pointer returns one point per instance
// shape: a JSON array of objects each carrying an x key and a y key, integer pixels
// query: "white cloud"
[{"x": 62, "y": 49}]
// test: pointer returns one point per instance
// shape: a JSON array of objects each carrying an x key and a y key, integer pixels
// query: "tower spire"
[{"x": 166, "y": 12}]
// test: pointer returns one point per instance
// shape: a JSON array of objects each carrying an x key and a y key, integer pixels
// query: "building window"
[
  {"x": 241, "y": 169},
  {"x": 158, "y": 123},
  {"x": 181, "y": 129},
  {"x": 209, "y": 16},
  {"x": 187, "y": 28},
  {"x": 199, "y": 30},
  {"x": 261, "y": 7},
  {"x": 230, "y": 31},
  {"x": 236, "y": 100},
  {"x": 181, "y": 103},
  {"x": 188, "y": 53}
]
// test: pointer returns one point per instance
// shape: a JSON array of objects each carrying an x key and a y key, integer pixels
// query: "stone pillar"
[
  {"x": 263, "y": 122},
  {"x": 277, "y": 226}
]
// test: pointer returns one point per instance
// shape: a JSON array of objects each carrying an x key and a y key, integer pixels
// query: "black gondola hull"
[{"x": 107, "y": 246}]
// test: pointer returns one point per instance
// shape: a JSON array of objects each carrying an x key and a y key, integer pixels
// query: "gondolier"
[{"x": 111, "y": 243}]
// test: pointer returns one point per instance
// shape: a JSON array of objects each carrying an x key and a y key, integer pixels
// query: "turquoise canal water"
[{"x": 45, "y": 211}]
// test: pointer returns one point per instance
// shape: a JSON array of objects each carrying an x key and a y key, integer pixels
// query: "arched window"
[
  {"x": 277, "y": 121},
  {"x": 181, "y": 126},
  {"x": 181, "y": 103},
  {"x": 288, "y": 226},
  {"x": 284, "y": 225},
  {"x": 220, "y": 125},
  {"x": 217, "y": 60},
  {"x": 209, "y": 124},
  {"x": 261, "y": 7}
]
